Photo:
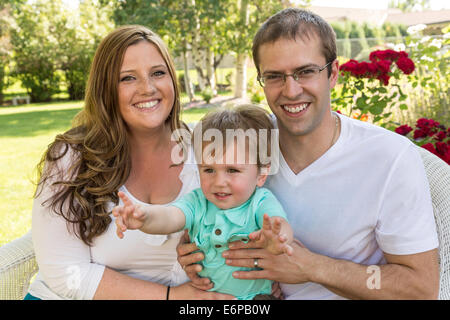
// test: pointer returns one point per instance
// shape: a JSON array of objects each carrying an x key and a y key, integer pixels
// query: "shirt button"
[
  {"x": 218, "y": 232},
  {"x": 217, "y": 245}
]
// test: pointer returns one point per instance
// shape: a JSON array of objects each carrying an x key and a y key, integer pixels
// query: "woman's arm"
[
  {"x": 117, "y": 286},
  {"x": 66, "y": 267}
]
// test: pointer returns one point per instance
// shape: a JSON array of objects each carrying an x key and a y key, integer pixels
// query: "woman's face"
[{"x": 146, "y": 92}]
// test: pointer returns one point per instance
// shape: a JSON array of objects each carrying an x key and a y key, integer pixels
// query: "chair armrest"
[
  {"x": 17, "y": 267},
  {"x": 438, "y": 174}
]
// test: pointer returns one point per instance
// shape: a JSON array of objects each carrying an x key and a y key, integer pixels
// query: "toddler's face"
[{"x": 228, "y": 183}]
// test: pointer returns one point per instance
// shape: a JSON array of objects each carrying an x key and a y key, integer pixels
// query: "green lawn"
[{"x": 25, "y": 132}]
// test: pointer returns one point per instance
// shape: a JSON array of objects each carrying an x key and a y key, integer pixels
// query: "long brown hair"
[{"x": 100, "y": 161}]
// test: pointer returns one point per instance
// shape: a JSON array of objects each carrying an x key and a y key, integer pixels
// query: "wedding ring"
[{"x": 255, "y": 263}]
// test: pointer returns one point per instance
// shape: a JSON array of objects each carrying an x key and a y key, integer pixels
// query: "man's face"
[{"x": 299, "y": 108}]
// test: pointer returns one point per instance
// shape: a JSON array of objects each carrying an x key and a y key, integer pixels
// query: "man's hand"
[
  {"x": 188, "y": 259},
  {"x": 282, "y": 268}
]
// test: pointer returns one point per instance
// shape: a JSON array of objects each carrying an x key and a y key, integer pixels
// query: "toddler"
[{"x": 231, "y": 204}]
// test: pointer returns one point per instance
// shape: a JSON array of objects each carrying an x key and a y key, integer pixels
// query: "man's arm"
[{"x": 414, "y": 276}]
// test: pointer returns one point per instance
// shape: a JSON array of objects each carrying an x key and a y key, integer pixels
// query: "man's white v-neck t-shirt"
[{"x": 368, "y": 194}]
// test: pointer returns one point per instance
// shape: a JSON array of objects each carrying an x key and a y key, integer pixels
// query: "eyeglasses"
[{"x": 302, "y": 76}]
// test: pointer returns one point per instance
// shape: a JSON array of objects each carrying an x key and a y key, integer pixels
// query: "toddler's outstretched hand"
[
  {"x": 269, "y": 236},
  {"x": 128, "y": 216}
]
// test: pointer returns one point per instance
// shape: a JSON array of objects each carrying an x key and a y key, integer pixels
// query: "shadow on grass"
[{"x": 34, "y": 123}]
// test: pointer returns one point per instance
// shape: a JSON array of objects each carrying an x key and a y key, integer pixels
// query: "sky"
[{"x": 378, "y": 4}]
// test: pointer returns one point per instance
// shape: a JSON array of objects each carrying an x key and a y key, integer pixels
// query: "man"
[{"x": 356, "y": 195}]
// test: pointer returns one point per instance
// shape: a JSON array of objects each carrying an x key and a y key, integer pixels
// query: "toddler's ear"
[{"x": 263, "y": 173}]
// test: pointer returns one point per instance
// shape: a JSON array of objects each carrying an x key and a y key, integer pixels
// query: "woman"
[{"x": 121, "y": 140}]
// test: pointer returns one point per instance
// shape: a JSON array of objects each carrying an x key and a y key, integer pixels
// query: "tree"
[
  {"x": 190, "y": 27},
  {"x": 6, "y": 21},
  {"x": 84, "y": 31},
  {"x": 36, "y": 47},
  {"x": 249, "y": 15},
  {"x": 409, "y": 5},
  {"x": 53, "y": 43},
  {"x": 172, "y": 20}
]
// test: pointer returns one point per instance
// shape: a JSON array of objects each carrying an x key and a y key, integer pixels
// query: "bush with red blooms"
[
  {"x": 361, "y": 90},
  {"x": 379, "y": 66},
  {"x": 431, "y": 135}
]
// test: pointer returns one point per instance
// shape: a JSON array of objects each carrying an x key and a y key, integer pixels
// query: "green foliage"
[
  {"x": 374, "y": 92},
  {"x": 428, "y": 87},
  {"x": 6, "y": 22},
  {"x": 256, "y": 91},
  {"x": 49, "y": 38},
  {"x": 207, "y": 94},
  {"x": 36, "y": 48},
  {"x": 354, "y": 30},
  {"x": 409, "y": 5}
]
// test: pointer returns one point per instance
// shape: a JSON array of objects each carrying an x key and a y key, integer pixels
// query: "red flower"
[
  {"x": 427, "y": 123},
  {"x": 441, "y": 147},
  {"x": 384, "y": 55},
  {"x": 372, "y": 69},
  {"x": 403, "y": 130},
  {"x": 405, "y": 64},
  {"x": 349, "y": 65},
  {"x": 429, "y": 147},
  {"x": 383, "y": 66},
  {"x": 441, "y": 135},
  {"x": 421, "y": 133},
  {"x": 360, "y": 69},
  {"x": 443, "y": 151}
]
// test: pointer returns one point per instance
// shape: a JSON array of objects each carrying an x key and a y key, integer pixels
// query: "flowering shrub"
[
  {"x": 364, "y": 84},
  {"x": 431, "y": 135},
  {"x": 379, "y": 66}
]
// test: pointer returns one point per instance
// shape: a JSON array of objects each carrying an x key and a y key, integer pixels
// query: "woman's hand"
[
  {"x": 188, "y": 291},
  {"x": 188, "y": 259}
]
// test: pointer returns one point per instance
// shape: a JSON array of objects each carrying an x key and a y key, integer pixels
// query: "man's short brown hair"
[{"x": 295, "y": 23}]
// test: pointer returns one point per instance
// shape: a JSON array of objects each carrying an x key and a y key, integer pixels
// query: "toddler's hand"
[
  {"x": 269, "y": 237},
  {"x": 128, "y": 216}
]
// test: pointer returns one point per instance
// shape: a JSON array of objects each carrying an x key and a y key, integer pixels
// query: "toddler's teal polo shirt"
[{"x": 212, "y": 228}]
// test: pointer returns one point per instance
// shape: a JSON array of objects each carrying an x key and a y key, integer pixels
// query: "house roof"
[
  {"x": 360, "y": 15},
  {"x": 420, "y": 17}
]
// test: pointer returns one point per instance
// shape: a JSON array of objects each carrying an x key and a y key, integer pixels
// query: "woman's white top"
[{"x": 69, "y": 269}]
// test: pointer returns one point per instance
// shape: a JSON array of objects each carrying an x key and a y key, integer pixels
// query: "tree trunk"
[
  {"x": 241, "y": 76},
  {"x": 2, "y": 77},
  {"x": 210, "y": 71},
  {"x": 241, "y": 59},
  {"x": 187, "y": 79}
]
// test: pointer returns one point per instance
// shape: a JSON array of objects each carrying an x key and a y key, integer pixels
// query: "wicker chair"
[
  {"x": 18, "y": 264},
  {"x": 17, "y": 267}
]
